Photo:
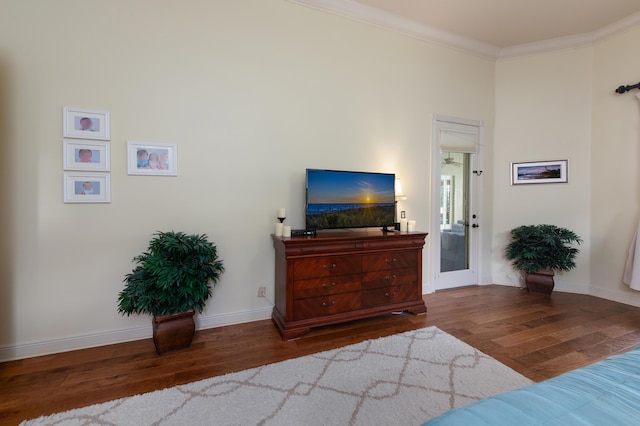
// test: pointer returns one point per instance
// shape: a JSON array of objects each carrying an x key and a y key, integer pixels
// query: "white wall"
[
  {"x": 563, "y": 105},
  {"x": 251, "y": 91},
  {"x": 615, "y": 175},
  {"x": 543, "y": 112}
]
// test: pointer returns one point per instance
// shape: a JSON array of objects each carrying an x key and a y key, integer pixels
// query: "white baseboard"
[
  {"x": 626, "y": 297},
  {"x": 211, "y": 321},
  {"x": 571, "y": 289},
  {"x": 427, "y": 288},
  {"x": 46, "y": 347}
]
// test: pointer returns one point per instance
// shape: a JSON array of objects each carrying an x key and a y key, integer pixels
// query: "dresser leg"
[
  {"x": 295, "y": 333},
  {"x": 418, "y": 310},
  {"x": 287, "y": 333}
]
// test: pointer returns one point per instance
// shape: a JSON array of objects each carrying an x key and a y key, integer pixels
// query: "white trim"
[
  {"x": 211, "y": 321},
  {"x": 568, "y": 288},
  {"x": 569, "y": 42},
  {"x": 617, "y": 27},
  {"x": 457, "y": 120},
  {"x": 390, "y": 21},
  {"x": 438, "y": 282},
  {"x": 427, "y": 288},
  {"x": 72, "y": 343},
  {"x": 46, "y": 347},
  {"x": 614, "y": 295},
  {"x": 625, "y": 297}
]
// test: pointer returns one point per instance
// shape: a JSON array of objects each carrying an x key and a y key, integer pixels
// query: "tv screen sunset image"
[{"x": 349, "y": 199}]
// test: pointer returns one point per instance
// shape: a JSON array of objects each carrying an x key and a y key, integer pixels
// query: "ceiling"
[
  {"x": 493, "y": 28},
  {"x": 505, "y": 23}
]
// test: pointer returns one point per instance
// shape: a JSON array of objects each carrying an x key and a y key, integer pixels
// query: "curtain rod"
[{"x": 623, "y": 89}]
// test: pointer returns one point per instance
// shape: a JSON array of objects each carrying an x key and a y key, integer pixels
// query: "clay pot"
[
  {"x": 173, "y": 332},
  {"x": 540, "y": 282}
]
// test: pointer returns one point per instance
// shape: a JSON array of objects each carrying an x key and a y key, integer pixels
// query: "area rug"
[{"x": 404, "y": 379}]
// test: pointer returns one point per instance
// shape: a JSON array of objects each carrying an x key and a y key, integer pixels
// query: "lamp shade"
[{"x": 399, "y": 194}]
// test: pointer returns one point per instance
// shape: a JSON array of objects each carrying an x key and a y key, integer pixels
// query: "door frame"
[{"x": 475, "y": 202}]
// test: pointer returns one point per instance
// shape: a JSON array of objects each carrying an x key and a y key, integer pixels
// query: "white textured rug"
[{"x": 403, "y": 379}]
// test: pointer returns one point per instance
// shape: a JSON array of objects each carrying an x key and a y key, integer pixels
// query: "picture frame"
[
  {"x": 86, "y": 156},
  {"x": 87, "y": 187},
  {"x": 536, "y": 172},
  {"x": 86, "y": 124},
  {"x": 155, "y": 159}
]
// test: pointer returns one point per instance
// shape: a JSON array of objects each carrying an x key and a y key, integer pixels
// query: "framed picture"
[
  {"x": 145, "y": 158},
  {"x": 539, "y": 172},
  {"x": 82, "y": 155},
  {"x": 87, "y": 188},
  {"x": 86, "y": 124}
]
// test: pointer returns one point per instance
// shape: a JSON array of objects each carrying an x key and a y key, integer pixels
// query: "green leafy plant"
[
  {"x": 174, "y": 275},
  {"x": 536, "y": 248}
]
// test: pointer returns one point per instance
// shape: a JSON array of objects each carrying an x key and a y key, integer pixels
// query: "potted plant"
[
  {"x": 539, "y": 250},
  {"x": 172, "y": 280}
]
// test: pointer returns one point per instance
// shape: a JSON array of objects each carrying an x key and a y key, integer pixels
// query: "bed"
[{"x": 604, "y": 393}]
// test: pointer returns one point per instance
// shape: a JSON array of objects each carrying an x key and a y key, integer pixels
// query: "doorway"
[{"x": 455, "y": 202}]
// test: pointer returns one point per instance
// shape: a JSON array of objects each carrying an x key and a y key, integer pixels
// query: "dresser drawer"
[
  {"x": 389, "y": 295},
  {"x": 325, "y": 286},
  {"x": 327, "y": 266},
  {"x": 395, "y": 243},
  {"x": 389, "y": 261},
  {"x": 388, "y": 278},
  {"x": 326, "y": 305}
]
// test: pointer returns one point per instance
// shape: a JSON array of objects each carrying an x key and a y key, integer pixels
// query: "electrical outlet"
[
  {"x": 403, "y": 215},
  {"x": 262, "y": 291}
]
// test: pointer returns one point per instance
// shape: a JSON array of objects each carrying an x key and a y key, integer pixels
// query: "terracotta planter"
[
  {"x": 173, "y": 332},
  {"x": 540, "y": 282}
]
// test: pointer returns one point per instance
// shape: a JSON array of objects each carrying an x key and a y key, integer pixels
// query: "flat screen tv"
[{"x": 342, "y": 199}]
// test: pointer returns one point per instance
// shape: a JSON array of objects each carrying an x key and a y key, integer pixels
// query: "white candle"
[
  {"x": 403, "y": 225},
  {"x": 411, "y": 226},
  {"x": 286, "y": 231},
  {"x": 281, "y": 212},
  {"x": 279, "y": 229}
]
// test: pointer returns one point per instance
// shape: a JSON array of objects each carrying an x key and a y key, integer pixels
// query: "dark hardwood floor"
[{"x": 537, "y": 336}]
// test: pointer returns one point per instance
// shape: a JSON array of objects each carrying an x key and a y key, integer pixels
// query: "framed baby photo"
[
  {"x": 156, "y": 159},
  {"x": 87, "y": 188},
  {"x": 86, "y": 124},
  {"x": 85, "y": 155}
]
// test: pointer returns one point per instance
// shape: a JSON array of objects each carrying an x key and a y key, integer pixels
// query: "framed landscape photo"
[
  {"x": 86, "y": 124},
  {"x": 87, "y": 188},
  {"x": 85, "y": 155},
  {"x": 144, "y": 158},
  {"x": 539, "y": 172}
]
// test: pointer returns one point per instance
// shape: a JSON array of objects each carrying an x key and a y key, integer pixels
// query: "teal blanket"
[{"x": 604, "y": 393}]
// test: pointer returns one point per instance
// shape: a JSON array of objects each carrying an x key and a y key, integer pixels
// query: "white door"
[{"x": 456, "y": 177}]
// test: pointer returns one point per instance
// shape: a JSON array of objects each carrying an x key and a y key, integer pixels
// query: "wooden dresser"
[{"x": 340, "y": 276}]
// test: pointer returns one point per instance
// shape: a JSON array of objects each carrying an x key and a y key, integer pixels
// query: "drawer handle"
[
  {"x": 391, "y": 278},
  {"x": 328, "y": 305},
  {"x": 328, "y": 286},
  {"x": 329, "y": 268},
  {"x": 391, "y": 261},
  {"x": 390, "y": 295}
]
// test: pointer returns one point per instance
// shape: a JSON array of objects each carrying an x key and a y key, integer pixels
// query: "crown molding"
[
  {"x": 389, "y": 21},
  {"x": 617, "y": 27},
  {"x": 569, "y": 42}
]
